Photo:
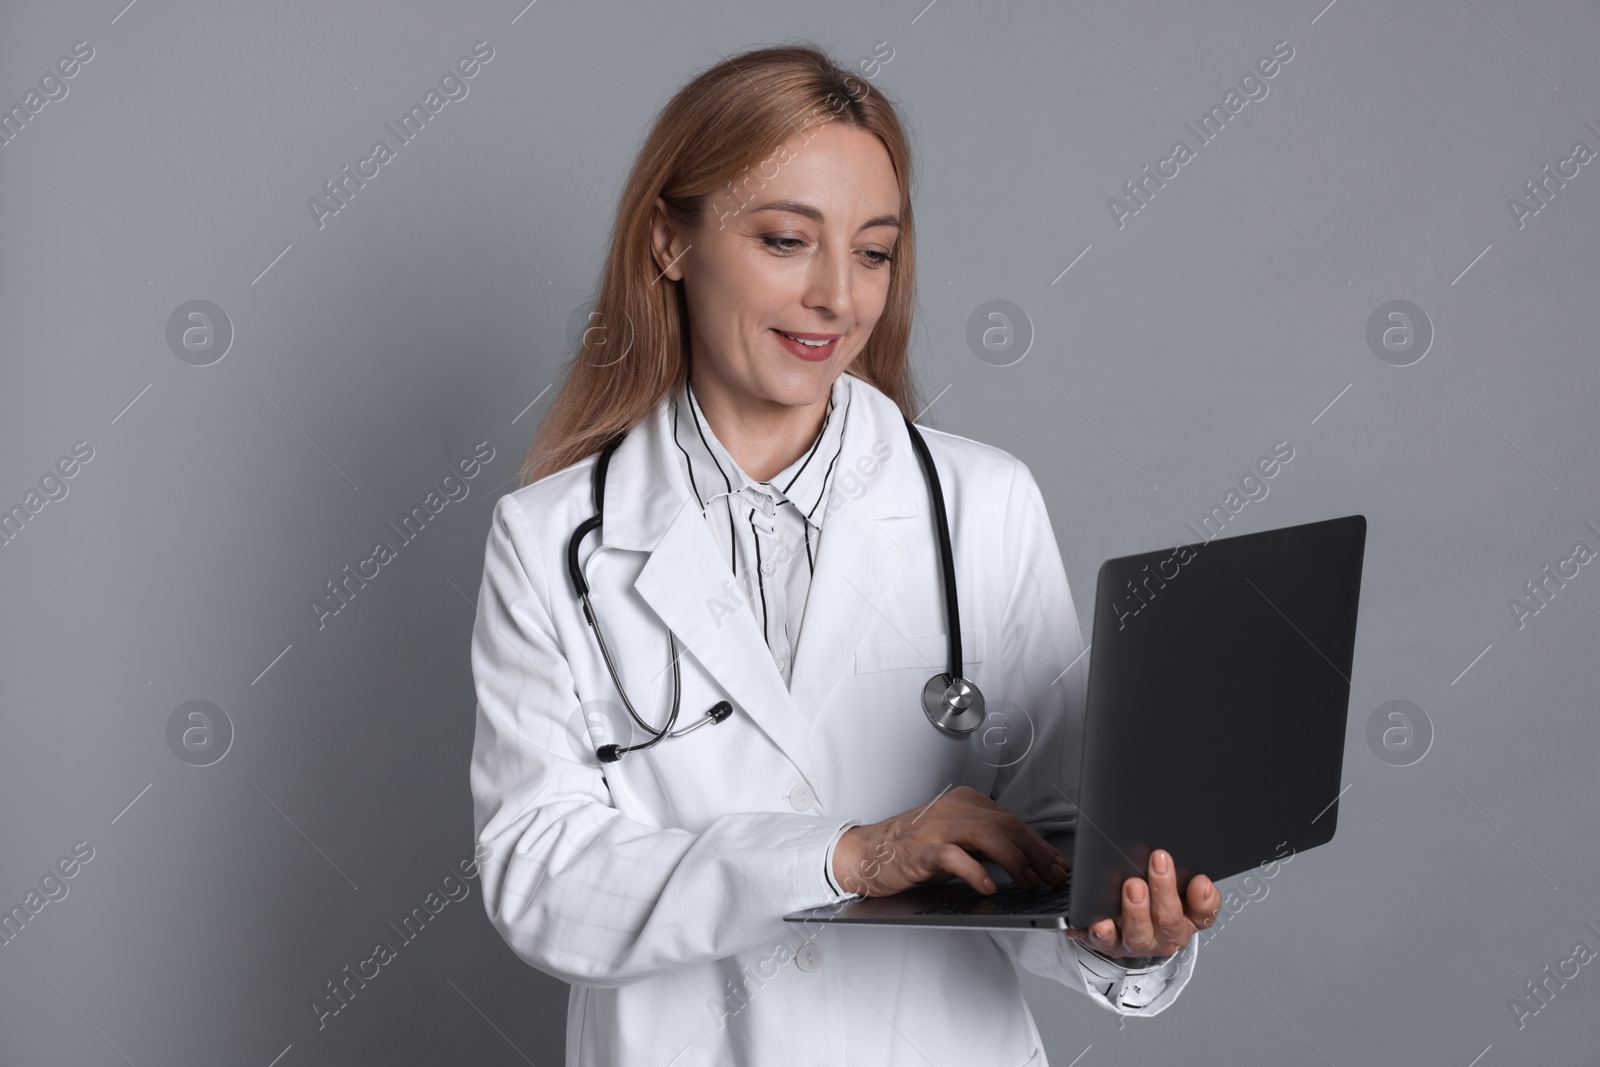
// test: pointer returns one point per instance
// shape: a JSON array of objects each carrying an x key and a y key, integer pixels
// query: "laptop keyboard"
[{"x": 1009, "y": 900}]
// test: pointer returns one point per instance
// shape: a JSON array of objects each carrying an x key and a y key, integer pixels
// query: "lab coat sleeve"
[
  {"x": 827, "y": 864},
  {"x": 1041, "y": 639},
  {"x": 574, "y": 887}
]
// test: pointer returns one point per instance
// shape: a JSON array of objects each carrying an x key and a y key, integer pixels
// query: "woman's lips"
[{"x": 812, "y": 353}]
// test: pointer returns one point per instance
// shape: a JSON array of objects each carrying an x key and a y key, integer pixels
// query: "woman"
[{"x": 750, "y": 341}]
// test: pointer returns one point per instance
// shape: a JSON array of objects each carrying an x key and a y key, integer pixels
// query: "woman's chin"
[{"x": 799, "y": 388}]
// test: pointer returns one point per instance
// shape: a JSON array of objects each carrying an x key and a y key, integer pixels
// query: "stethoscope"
[{"x": 952, "y": 702}]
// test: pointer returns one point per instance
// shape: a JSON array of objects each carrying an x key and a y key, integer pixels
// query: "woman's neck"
[{"x": 763, "y": 437}]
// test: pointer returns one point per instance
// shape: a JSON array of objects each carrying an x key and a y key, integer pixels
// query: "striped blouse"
[{"x": 769, "y": 532}]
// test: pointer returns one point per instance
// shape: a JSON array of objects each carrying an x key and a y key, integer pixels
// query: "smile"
[{"x": 814, "y": 347}]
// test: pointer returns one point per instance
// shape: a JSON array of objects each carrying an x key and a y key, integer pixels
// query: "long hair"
[{"x": 635, "y": 347}]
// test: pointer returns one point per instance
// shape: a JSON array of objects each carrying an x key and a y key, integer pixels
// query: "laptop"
[{"x": 1219, "y": 681}]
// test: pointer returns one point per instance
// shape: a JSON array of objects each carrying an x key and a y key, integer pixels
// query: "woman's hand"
[
  {"x": 1154, "y": 921},
  {"x": 935, "y": 842}
]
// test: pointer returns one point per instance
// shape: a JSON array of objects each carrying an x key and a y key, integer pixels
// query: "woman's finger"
[
  {"x": 997, "y": 835},
  {"x": 1102, "y": 936},
  {"x": 1043, "y": 858},
  {"x": 1166, "y": 908},
  {"x": 1203, "y": 901},
  {"x": 1036, "y": 852},
  {"x": 989, "y": 838},
  {"x": 1138, "y": 935},
  {"x": 959, "y": 862}
]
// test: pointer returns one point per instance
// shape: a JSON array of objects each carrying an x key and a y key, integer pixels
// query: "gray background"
[{"x": 432, "y": 311}]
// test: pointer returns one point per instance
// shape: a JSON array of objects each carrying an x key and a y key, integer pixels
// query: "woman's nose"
[{"x": 829, "y": 282}]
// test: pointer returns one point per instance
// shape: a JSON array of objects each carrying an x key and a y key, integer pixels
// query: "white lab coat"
[{"x": 656, "y": 885}]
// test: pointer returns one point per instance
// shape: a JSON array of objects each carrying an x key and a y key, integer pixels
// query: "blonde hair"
[{"x": 703, "y": 141}]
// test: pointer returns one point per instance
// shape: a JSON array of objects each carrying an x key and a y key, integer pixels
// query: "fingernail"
[
  {"x": 1159, "y": 861},
  {"x": 1136, "y": 892},
  {"x": 1058, "y": 873}
]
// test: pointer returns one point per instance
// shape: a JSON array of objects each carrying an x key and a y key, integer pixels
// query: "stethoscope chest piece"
[{"x": 954, "y": 706}]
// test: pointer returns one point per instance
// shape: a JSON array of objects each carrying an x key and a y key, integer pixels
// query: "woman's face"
[{"x": 805, "y": 252}]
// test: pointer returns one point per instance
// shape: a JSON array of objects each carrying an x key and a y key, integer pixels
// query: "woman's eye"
[{"x": 786, "y": 245}]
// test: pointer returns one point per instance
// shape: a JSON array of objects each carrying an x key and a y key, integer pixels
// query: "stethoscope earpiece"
[{"x": 719, "y": 712}]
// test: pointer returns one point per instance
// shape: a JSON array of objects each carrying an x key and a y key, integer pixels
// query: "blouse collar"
[{"x": 713, "y": 473}]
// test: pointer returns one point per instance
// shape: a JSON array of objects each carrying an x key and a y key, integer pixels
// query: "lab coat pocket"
[{"x": 928, "y": 653}]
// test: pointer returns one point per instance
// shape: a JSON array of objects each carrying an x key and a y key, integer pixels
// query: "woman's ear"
[{"x": 666, "y": 244}]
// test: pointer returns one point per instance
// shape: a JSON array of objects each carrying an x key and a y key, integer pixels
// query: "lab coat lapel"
[
  {"x": 649, "y": 507},
  {"x": 860, "y": 551},
  {"x": 683, "y": 582},
  {"x": 857, "y": 561}
]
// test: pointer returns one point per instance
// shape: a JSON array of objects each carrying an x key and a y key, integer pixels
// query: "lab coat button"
[
  {"x": 809, "y": 957},
  {"x": 801, "y": 797}
]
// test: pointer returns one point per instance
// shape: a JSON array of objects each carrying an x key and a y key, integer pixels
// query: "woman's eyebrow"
[{"x": 798, "y": 208}]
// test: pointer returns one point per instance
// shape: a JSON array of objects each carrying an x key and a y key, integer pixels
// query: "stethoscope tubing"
[
  {"x": 952, "y": 612},
  {"x": 940, "y": 689}
]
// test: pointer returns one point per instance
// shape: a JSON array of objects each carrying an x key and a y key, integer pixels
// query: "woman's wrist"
[{"x": 847, "y": 862}]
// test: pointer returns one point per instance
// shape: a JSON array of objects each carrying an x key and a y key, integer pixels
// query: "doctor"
[{"x": 766, "y": 579}]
